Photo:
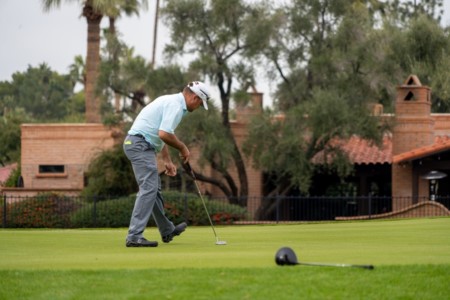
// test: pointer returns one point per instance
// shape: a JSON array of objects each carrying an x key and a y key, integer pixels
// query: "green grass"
[{"x": 411, "y": 258}]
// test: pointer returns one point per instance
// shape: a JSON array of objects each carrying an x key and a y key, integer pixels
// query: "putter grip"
[{"x": 188, "y": 165}]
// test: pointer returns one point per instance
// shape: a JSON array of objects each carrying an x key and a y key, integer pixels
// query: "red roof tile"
[
  {"x": 441, "y": 143},
  {"x": 361, "y": 151}
]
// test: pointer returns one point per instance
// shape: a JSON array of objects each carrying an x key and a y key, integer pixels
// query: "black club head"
[{"x": 286, "y": 257}]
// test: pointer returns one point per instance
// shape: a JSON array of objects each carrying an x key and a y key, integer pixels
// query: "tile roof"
[
  {"x": 441, "y": 143},
  {"x": 361, "y": 151}
]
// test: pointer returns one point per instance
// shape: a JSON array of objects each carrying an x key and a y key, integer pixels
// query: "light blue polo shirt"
[{"x": 163, "y": 113}]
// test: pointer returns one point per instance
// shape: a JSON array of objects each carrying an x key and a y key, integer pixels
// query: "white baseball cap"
[{"x": 200, "y": 89}]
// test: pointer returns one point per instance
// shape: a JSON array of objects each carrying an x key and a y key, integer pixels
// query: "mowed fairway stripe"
[{"x": 395, "y": 242}]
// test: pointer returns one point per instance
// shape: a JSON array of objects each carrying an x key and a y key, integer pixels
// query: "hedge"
[
  {"x": 48, "y": 210},
  {"x": 52, "y": 210},
  {"x": 179, "y": 207}
]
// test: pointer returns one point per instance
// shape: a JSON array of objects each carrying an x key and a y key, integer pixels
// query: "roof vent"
[
  {"x": 413, "y": 80},
  {"x": 409, "y": 96}
]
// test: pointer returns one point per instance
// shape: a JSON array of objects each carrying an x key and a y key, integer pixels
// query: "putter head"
[
  {"x": 286, "y": 257},
  {"x": 218, "y": 242}
]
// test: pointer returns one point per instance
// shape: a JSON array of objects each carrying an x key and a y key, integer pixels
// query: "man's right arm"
[{"x": 173, "y": 141}]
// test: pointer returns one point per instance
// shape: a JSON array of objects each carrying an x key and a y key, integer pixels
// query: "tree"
[
  {"x": 423, "y": 48},
  {"x": 218, "y": 35},
  {"x": 400, "y": 12},
  {"x": 42, "y": 93},
  {"x": 10, "y": 135},
  {"x": 37, "y": 95},
  {"x": 299, "y": 55},
  {"x": 113, "y": 13},
  {"x": 290, "y": 149},
  {"x": 333, "y": 58},
  {"x": 134, "y": 79},
  {"x": 110, "y": 173},
  {"x": 93, "y": 11},
  {"x": 77, "y": 71},
  {"x": 206, "y": 132}
]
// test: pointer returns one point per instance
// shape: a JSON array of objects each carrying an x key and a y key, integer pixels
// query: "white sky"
[{"x": 30, "y": 36}]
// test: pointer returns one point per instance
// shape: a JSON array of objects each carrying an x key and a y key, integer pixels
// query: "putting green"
[{"x": 392, "y": 242}]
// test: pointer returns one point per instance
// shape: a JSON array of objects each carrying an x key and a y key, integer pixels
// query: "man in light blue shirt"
[{"x": 151, "y": 132}]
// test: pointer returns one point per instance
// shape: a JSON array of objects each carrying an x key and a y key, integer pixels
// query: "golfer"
[{"x": 152, "y": 132}]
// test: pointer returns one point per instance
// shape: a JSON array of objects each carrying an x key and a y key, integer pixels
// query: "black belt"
[{"x": 142, "y": 137}]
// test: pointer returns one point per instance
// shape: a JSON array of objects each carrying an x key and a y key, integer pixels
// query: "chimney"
[
  {"x": 413, "y": 129},
  {"x": 413, "y": 123}
]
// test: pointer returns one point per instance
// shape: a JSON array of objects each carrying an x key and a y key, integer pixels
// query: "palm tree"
[
  {"x": 129, "y": 7},
  {"x": 93, "y": 11}
]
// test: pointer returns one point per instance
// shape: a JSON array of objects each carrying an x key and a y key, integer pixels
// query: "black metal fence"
[
  {"x": 56, "y": 211},
  {"x": 329, "y": 208},
  {"x": 323, "y": 208}
]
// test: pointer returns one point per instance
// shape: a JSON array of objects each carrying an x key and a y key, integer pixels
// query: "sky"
[{"x": 29, "y": 36}]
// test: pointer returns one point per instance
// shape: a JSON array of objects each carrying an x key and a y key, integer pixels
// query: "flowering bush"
[{"x": 48, "y": 210}]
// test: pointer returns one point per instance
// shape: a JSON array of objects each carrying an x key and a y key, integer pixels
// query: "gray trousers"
[{"x": 149, "y": 201}]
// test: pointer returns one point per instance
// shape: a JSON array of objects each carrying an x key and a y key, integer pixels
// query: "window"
[{"x": 51, "y": 169}]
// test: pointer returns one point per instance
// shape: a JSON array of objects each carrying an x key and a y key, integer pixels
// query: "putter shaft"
[
  {"x": 204, "y": 205},
  {"x": 369, "y": 267},
  {"x": 206, "y": 209}
]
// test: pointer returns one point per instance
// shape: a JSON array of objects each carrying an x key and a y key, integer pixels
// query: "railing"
[
  {"x": 332, "y": 208},
  {"x": 56, "y": 211}
]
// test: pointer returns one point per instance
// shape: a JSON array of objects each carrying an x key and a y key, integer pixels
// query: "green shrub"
[
  {"x": 220, "y": 212},
  {"x": 51, "y": 210},
  {"x": 13, "y": 178},
  {"x": 109, "y": 213},
  {"x": 175, "y": 206},
  {"x": 110, "y": 173},
  {"x": 46, "y": 210},
  {"x": 179, "y": 207}
]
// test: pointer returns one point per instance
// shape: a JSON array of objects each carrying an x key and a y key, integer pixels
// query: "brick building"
[
  {"x": 421, "y": 144},
  {"x": 418, "y": 145},
  {"x": 55, "y": 156}
]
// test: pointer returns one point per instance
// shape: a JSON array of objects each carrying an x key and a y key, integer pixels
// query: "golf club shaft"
[
  {"x": 370, "y": 267},
  {"x": 204, "y": 205}
]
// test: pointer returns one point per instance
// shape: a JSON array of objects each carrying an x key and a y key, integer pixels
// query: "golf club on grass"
[
  {"x": 218, "y": 242},
  {"x": 286, "y": 257}
]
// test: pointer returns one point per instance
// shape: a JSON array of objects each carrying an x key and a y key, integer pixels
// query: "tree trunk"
[
  {"x": 112, "y": 31},
  {"x": 93, "y": 19},
  {"x": 155, "y": 34},
  {"x": 237, "y": 156},
  {"x": 240, "y": 166}
]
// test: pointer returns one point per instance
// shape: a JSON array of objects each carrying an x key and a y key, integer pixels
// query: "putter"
[
  {"x": 286, "y": 257},
  {"x": 218, "y": 242}
]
